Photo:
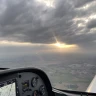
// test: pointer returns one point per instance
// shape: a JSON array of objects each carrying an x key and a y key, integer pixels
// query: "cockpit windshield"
[{"x": 57, "y": 36}]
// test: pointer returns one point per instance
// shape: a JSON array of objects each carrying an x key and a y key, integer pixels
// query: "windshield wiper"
[{"x": 72, "y": 93}]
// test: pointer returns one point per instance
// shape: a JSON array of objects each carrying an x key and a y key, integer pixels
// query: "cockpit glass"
[{"x": 57, "y": 36}]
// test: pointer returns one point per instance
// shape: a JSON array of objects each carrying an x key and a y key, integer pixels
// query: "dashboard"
[
  {"x": 25, "y": 82},
  {"x": 31, "y": 82}
]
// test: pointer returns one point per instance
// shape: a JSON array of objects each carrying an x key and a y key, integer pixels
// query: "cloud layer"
[{"x": 70, "y": 21}]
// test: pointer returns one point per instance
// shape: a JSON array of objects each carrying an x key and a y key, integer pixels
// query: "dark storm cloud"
[
  {"x": 92, "y": 24},
  {"x": 32, "y": 21}
]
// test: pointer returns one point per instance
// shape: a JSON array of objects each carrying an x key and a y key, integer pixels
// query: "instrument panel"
[
  {"x": 25, "y": 82},
  {"x": 30, "y": 84}
]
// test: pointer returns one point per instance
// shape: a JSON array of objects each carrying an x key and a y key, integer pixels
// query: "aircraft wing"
[{"x": 92, "y": 86}]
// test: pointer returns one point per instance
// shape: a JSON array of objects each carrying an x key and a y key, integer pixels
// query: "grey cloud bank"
[{"x": 31, "y": 21}]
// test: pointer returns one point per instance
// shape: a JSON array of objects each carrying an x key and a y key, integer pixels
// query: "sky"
[
  {"x": 71, "y": 22},
  {"x": 31, "y": 27}
]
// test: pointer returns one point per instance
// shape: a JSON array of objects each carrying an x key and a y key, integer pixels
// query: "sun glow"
[
  {"x": 56, "y": 45},
  {"x": 5, "y": 42},
  {"x": 63, "y": 45}
]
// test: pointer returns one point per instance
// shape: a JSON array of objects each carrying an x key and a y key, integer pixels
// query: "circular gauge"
[
  {"x": 42, "y": 90},
  {"x": 36, "y": 93},
  {"x": 34, "y": 81}
]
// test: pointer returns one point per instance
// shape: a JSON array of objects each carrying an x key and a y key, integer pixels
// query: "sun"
[
  {"x": 58, "y": 44},
  {"x": 63, "y": 45}
]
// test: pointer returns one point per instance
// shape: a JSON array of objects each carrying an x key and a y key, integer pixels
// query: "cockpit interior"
[{"x": 31, "y": 82}]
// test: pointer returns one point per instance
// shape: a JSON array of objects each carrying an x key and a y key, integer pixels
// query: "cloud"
[
  {"x": 92, "y": 23},
  {"x": 70, "y": 21},
  {"x": 79, "y": 3}
]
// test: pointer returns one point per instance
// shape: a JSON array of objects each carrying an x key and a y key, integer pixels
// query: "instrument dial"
[
  {"x": 42, "y": 90},
  {"x": 36, "y": 93},
  {"x": 34, "y": 81}
]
